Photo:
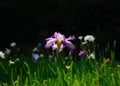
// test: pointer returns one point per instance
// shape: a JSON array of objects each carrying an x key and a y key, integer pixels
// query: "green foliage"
[{"x": 57, "y": 71}]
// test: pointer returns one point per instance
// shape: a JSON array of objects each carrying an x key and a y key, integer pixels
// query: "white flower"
[
  {"x": 35, "y": 49},
  {"x": 41, "y": 55},
  {"x": 80, "y": 37},
  {"x": 2, "y": 55},
  {"x": 17, "y": 60},
  {"x": 84, "y": 43},
  {"x": 89, "y": 38},
  {"x": 66, "y": 58},
  {"x": 39, "y": 44},
  {"x": 13, "y": 44},
  {"x": 11, "y": 62},
  {"x": 67, "y": 67},
  {"x": 7, "y": 51},
  {"x": 91, "y": 56}
]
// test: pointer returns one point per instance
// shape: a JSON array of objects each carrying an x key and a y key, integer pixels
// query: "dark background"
[{"x": 29, "y": 21}]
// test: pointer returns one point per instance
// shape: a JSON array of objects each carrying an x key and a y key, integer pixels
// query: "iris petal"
[
  {"x": 62, "y": 46},
  {"x": 50, "y": 43},
  {"x": 69, "y": 45},
  {"x": 54, "y": 46},
  {"x": 58, "y": 41},
  {"x": 70, "y": 38}
]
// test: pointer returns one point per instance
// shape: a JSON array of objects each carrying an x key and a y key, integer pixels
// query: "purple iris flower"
[
  {"x": 36, "y": 56},
  {"x": 58, "y": 41},
  {"x": 82, "y": 53}
]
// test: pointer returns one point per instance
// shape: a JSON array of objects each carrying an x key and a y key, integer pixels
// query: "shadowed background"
[{"x": 28, "y": 21}]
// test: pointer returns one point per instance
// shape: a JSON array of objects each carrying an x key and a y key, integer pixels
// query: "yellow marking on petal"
[{"x": 59, "y": 42}]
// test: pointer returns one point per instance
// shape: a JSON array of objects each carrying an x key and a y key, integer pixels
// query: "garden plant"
[{"x": 60, "y": 62}]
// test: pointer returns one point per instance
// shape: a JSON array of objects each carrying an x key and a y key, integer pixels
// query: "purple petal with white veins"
[
  {"x": 55, "y": 34},
  {"x": 54, "y": 46},
  {"x": 70, "y": 38},
  {"x": 58, "y": 37},
  {"x": 69, "y": 45},
  {"x": 62, "y": 46},
  {"x": 50, "y": 43},
  {"x": 50, "y": 38}
]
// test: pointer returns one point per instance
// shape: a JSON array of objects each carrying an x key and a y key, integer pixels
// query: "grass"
[{"x": 62, "y": 69}]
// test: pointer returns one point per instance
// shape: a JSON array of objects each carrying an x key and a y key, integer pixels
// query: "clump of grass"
[{"x": 54, "y": 68}]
